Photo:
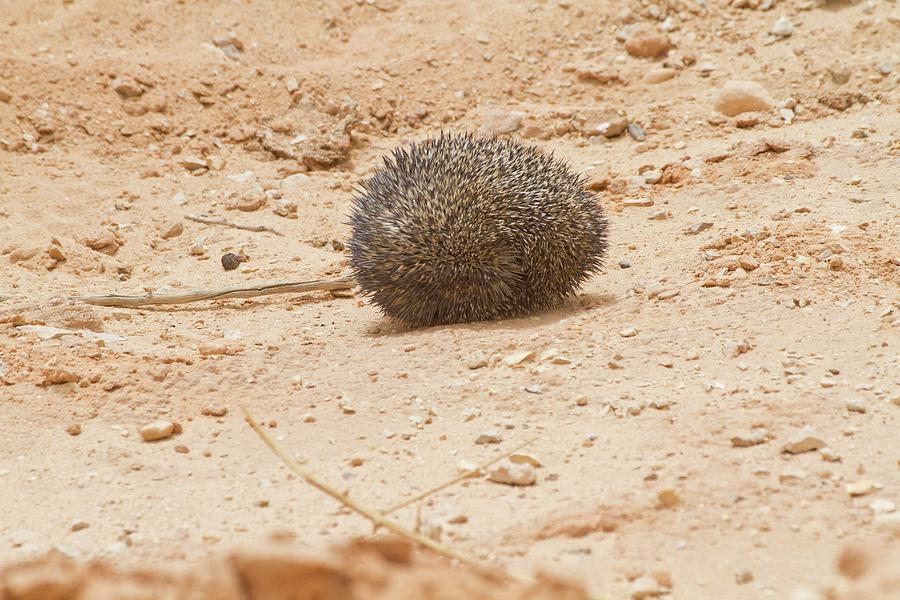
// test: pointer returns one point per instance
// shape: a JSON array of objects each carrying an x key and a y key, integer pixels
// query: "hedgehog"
[{"x": 459, "y": 228}]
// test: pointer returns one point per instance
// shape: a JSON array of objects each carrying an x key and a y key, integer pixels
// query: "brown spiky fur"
[{"x": 459, "y": 228}]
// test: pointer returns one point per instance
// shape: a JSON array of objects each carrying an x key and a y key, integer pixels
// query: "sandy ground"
[{"x": 758, "y": 295}]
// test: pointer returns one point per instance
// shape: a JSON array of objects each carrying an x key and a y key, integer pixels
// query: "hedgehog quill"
[
  {"x": 455, "y": 229},
  {"x": 458, "y": 229}
]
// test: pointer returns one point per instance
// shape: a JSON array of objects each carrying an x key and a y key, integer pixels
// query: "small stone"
[
  {"x": 628, "y": 332},
  {"x": 126, "y": 87},
  {"x": 292, "y": 84},
  {"x": 347, "y": 407},
  {"x": 5, "y": 95},
  {"x": 748, "y": 263},
  {"x": 464, "y": 467},
  {"x": 246, "y": 200},
  {"x": 641, "y": 202},
  {"x": 806, "y": 440},
  {"x": 636, "y": 132},
  {"x": 857, "y": 405},
  {"x": 158, "y": 430},
  {"x": 214, "y": 410},
  {"x": 478, "y": 361},
  {"x": 517, "y": 358},
  {"x": 646, "y": 587},
  {"x": 230, "y": 261},
  {"x": 192, "y": 163},
  {"x": 286, "y": 208},
  {"x": 698, "y": 227},
  {"x": 882, "y": 506},
  {"x": 78, "y": 525},
  {"x": 743, "y": 577},
  {"x": 736, "y": 97},
  {"x": 309, "y": 418},
  {"x": 500, "y": 123},
  {"x": 624, "y": 264},
  {"x": 829, "y": 455},
  {"x": 668, "y": 499},
  {"x": 645, "y": 41},
  {"x": 889, "y": 523},
  {"x": 835, "y": 263},
  {"x": 106, "y": 242},
  {"x": 581, "y": 401},
  {"x": 510, "y": 473},
  {"x": 470, "y": 414},
  {"x": 74, "y": 429},
  {"x": 171, "y": 229},
  {"x": 659, "y": 75},
  {"x": 791, "y": 475},
  {"x": 198, "y": 249},
  {"x": 652, "y": 176},
  {"x": 534, "y": 388},
  {"x": 494, "y": 436},
  {"x": 860, "y": 488},
  {"x": 782, "y": 28},
  {"x": 745, "y": 440},
  {"x": 59, "y": 376},
  {"x": 182, "y": 449}
]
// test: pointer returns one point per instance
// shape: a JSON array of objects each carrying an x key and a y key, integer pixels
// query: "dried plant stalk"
[
  {"x": 376, "y": 518},
  {"x": 266, "y": 289}
]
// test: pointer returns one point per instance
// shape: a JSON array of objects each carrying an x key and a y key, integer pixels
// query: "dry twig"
[
  {"x": 151, "y": 299},
  {"x": 374, "y": 516},
  {"x": 476, "y": 471},
  {"x": 227, "y": 223}
]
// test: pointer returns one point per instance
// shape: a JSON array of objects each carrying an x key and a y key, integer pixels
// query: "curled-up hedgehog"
[
  {"x": 452, "y": 230},
  {"x": 458, "y": 229}
]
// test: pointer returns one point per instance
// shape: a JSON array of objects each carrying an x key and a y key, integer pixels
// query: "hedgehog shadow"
[{"x": 385, "y": 327}]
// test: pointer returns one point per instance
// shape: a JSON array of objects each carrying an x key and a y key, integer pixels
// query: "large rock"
[{"x": 736, "y": 97}]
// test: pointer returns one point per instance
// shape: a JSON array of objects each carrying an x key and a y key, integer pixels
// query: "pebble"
[
  {"x": 835, "y": 263},
  {"x": 748, "y": 263},
  {"x": 652, "y": 176},
  {"x": 182, "y": 449},
  {"x": 882, "y": 506},
  {"x": 636, "y": 132},
  {"x": 889, "y": 523},
  {"x": 126, "y": 87},
  {"x": 78, "y": 525},
  {"x": 628, "y": 332},
  {"x": 640, "y": 202},
  {"x": 214, "y": 410},
  {"x": 230, "y": 261},
  {"x": 499, "y": 123},
  {"x": 192, "y": 163},
  {"x": 158, "y": 430},
  {"x": 659, "y": 75},
  {"x": 309, "y": 418},
  {"x": 624, "y": 264},
  {"x": 668, "y": 498},
  {"x": 5, "y": 95},
  {"x": 737, "y": 96},
  {"x": 494, "y": 436},
  {"x": 791, "y": 474},
  {"x": 534, "y": 388},
  {"x": 517, "y": 358},
  {"x": 645, "y": 41},
  {"x": 470, "y": 414},
  {"x": 646, "y": 587},
  {"x": 829, "y": 455},
  {"x": 806, "y": 440},
  {"x": 743, "y": 577},
  {"x": 510, "y": 473},
  {"x": 754, "y": 438},
  {"x": 74, "y": 429},
  {"x": 171, "y": 229},
  {"x": 783, "y": 27},
  {"x": 286, "y": 208},
  {"x": 857, "y": 405},
  {"x": 860, "y": 488},
  {"x": 698, "y": 227}
]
